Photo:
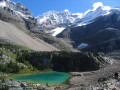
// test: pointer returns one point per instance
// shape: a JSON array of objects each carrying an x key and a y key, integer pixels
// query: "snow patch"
[
  {"x": 82, "y": 24},
  {"x": 79, "y": 15},
  {"x": 66, "y": 10},
  {"x": 43, "y": 19},
  {"x": 21, "y": 14},
  {"x": 57, "y": 31},
  {"x": 83, "y": 45}
]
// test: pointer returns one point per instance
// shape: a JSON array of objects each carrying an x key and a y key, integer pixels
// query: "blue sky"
[{"x": 38, "y": 7}]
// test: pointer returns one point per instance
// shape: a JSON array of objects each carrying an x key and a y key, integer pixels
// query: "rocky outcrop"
[
  {"x": 12, "y": 83},
  {"x": 67, "y": 61},
  {"x": 80, "y": 62}
]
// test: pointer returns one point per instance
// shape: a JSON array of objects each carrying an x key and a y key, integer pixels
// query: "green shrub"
[{"x": 2, "y": 78}]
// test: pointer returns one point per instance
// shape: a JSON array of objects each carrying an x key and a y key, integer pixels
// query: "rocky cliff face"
[
  {"x": 17, "y": 8},
  {"x": 68, "y": 61},
  {"x": 101, "y": 35},
  {"x": 54, "y": 22},
  {"x": 97, "y": 29},
  {"x": 28, "y": 25},
  {"x": 19, "y": 26}
]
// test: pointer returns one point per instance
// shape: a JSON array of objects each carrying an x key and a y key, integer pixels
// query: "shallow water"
[{"x": 49, "y": 77}]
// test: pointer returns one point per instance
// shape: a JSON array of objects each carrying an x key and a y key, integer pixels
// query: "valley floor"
[{"x": 85, "y": 80}]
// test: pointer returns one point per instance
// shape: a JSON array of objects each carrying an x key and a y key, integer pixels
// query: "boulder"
[
  {"x": 23, "y": 84},
  {"x": 11, "y": 83}
]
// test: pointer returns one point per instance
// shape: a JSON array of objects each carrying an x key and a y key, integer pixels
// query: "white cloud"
[
  {"x": 100, "y": 4},
  {"x": 96, "y": 5},
  {"x": 80, "y": 15},
  {"x": 106, "y": 8}
]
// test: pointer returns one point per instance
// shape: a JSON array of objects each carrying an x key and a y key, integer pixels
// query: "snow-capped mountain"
[
  {"x": 97, "y": 31},
  {"x": 17, "y": 8},
  {"x": 58, "y": 17},
  {"x": 98, "y": 10},
  {"x": 53, "y": 22}
]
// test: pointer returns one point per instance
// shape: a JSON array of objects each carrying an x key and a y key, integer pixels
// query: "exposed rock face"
[
  {"x": 83, "y": 62},
  {"x": 15, "y": 35},
  {"x": 29, "y": 25},
  {"x": 5, "y": 59},
  {"x": 97, "y": 28},
  {"x": 57, "y": 42},
  {"x": 52, "y": 20},
  {"x": 12, "y": 83},
  {"x": 69, "y": 61},
  {"x": 17, "y": 8},
  {"x": 8, "y": 15},
  {"x": 103, "y": 35}
]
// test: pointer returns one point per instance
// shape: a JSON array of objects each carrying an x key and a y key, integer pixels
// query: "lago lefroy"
[{"x": 49, "y": 77}]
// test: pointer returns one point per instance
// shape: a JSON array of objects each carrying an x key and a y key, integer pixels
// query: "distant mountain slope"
[
  {"x": 95, "y": 30},
  {"x": 29, "y": 25},
  {"x": 102, "y": 35},
  {"x": 12, "y": 34},
  {"x": 54, "y": 22}
]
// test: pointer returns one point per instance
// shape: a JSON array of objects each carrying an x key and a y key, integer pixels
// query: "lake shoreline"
[{"x": 44, "y": 83}]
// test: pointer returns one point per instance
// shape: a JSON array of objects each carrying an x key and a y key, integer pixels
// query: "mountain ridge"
[
  {"x": 53, "y": 22},
  {"x": 30, "y": 27},
  {"x": 71, "y": 30}
]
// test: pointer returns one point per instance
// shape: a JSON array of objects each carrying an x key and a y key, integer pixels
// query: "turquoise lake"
[{"x": 49, "y": 77}]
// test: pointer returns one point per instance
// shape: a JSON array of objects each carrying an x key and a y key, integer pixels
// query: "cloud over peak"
[
  {"x": 100, "y": 4},
  {"x": 97, "y": 5}
]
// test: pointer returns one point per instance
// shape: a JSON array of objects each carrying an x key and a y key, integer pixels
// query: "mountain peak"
[
  {"x": 57, "y": 17},
  {"x": 66, "y": 10},
  {"x": 18, "y": 8}
]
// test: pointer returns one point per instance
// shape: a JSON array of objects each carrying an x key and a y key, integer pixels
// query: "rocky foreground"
[{"x": 103, "y": 79}]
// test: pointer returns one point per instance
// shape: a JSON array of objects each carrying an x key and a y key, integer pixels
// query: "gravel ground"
[
  {"x": 11, "y": 33},
  {"x": 86, "y": 79}
]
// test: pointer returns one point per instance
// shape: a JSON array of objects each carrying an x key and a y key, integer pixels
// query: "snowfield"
[{"x": 57, "y": 31}]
